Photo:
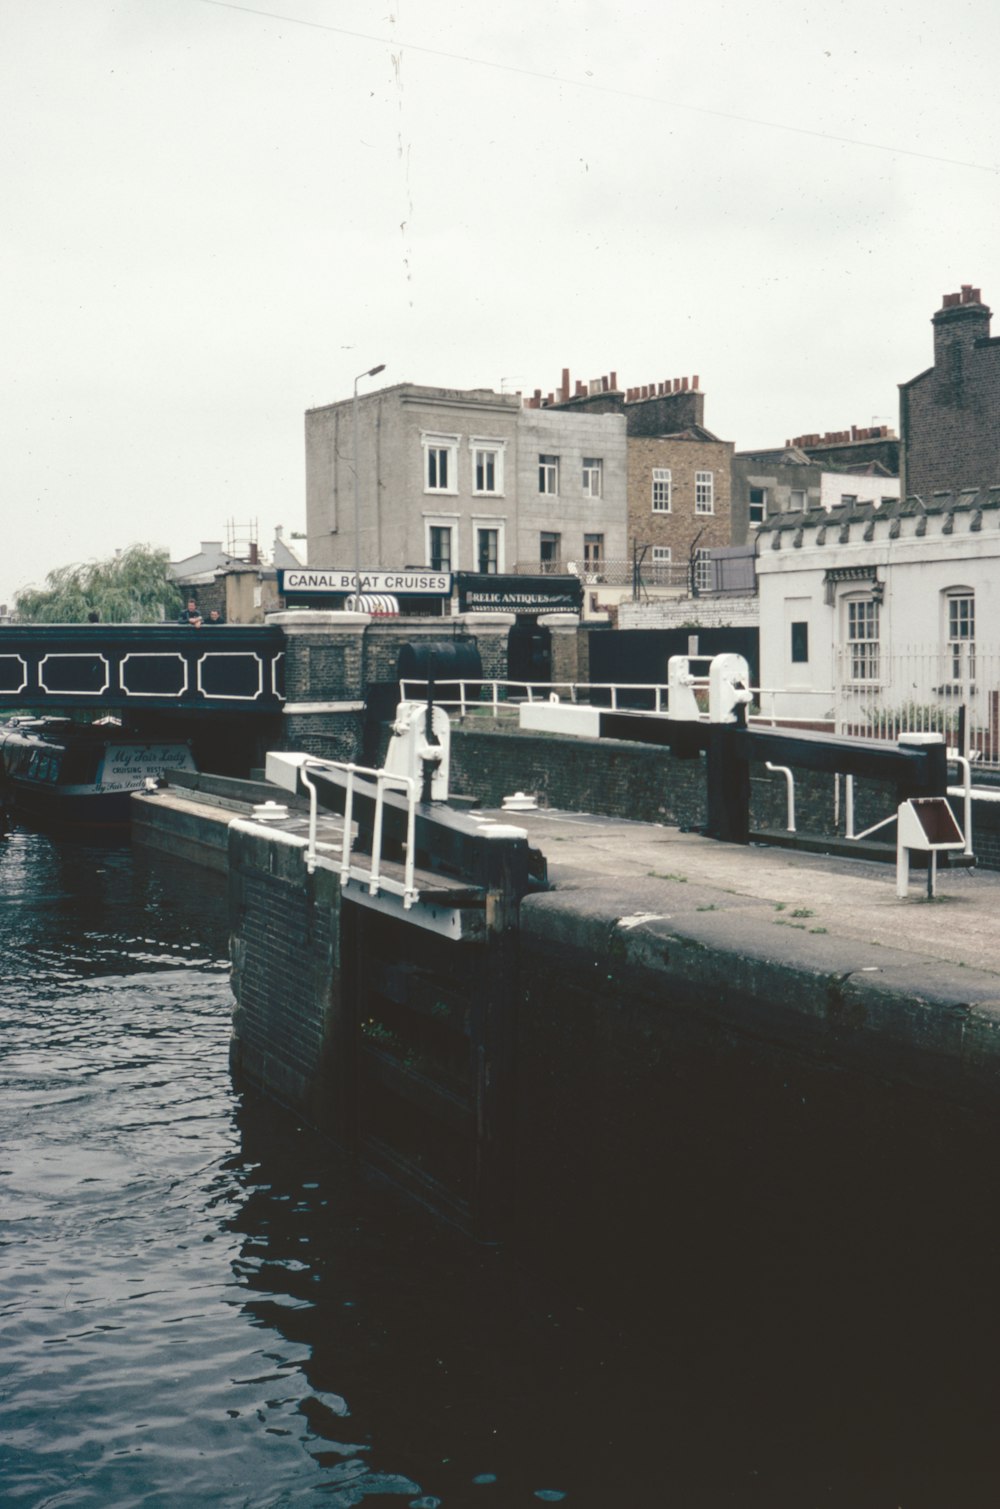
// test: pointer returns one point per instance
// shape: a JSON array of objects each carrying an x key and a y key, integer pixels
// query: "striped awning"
[{"x": 378, "y": 604}]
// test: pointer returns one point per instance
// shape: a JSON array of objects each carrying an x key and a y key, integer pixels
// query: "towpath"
[{"x": 772, "y": 891}]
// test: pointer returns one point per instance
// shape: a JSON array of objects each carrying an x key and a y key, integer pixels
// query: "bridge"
[{"x": 140, "y": 667}]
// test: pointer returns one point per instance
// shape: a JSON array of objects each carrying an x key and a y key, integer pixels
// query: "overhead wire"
[{"x": 606, "y": 89}]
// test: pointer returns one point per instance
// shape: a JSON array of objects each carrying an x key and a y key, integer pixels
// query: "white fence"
[
  {"x": 876, "y": 696},
  {"x": 954, "y": 691}
]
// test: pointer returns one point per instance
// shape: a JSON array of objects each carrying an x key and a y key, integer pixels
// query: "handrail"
[
  {"x": 467, "y": 692},
  {"x": 966, "y": 796},
  {"x": 373, "y": 878},
  {"x": 790, "y": 788}
]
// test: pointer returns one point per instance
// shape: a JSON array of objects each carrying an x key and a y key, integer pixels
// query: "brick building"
[
  {"x": 679, "y": 504},
  {"x": 950, "y": 414},
  {"x": 679, "y": 478}
]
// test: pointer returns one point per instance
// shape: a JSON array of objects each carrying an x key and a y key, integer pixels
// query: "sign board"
[
  {"x": 326, "y": 580},
  {"x": 127, "y": 766},
  {"x": 480, "y": 593}
]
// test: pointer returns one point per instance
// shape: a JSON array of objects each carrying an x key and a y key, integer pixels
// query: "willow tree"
[{"x": 132, "y": 586}]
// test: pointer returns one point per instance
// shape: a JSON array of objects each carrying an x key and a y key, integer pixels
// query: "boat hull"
[{"x": 80, "y": 775}]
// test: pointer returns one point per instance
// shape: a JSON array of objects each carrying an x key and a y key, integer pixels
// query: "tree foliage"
[{"x": 133, "y": 586}]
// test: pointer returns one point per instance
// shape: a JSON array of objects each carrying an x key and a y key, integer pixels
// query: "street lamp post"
[{"x": 372, "y": 372}]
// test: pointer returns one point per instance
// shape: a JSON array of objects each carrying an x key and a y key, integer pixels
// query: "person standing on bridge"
[{"x": 191, "y": 615}]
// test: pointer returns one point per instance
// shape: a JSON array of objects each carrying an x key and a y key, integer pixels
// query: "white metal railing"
[
  {"x": 789, "y": 792},
  {"x": 371, "y": 877},
  {"x": 466, "y": 695},
  {"x": 916, "y": 689},
  {"x": 479, "y": 693}
]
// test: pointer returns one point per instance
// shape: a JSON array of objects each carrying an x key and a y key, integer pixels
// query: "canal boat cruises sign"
[{"x": 305, "y": 579}]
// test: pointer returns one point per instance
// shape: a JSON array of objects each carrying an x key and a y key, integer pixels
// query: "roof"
[
  {"x": 283, "y": 556},
  {"x": 969, "y": 500}
]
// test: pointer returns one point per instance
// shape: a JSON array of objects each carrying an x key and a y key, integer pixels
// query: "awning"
[{"x": 378, "y": 604}]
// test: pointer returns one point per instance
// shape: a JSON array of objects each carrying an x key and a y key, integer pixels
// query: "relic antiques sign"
[{"x": 518, "y": 594}]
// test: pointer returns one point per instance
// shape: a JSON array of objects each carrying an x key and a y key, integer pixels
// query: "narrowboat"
[{"x": 56, "y": 770}]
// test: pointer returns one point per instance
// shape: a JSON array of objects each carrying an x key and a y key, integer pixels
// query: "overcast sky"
[{"x": 215, "y": 216}]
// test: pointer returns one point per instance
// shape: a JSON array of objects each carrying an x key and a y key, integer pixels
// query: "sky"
[{"x": 215, "y": 216}]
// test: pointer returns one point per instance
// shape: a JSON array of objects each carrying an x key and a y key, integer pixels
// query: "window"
[
  {"x": 548, "y": 551},
  {"x": 797, "y": 500},
  {"x": 592, "y": 469},
  {"x": 848, "y": 499},
  {"x": 800, "y": 643},
  {"x": 488, "y": 551},
  {"x": 702, "y": 570},
  {"x": 758, "y": 505},
  {"x": 704, "y": 492},
  {"x": 593, "y": 552},
  {"x": 661, "y": 489},
  {"x": 548, "y": 475},
  {"x": 487, "y": 467},
  {"x": 862, "y": 639},
  {"x": 439, "y": 548},
  {"x": 440, "y": 463},
  {"x": 961, "y": 635},
  {"x": 661, "y": 557}
]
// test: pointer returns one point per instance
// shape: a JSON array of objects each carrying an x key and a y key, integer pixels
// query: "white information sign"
[
  {"x": 411, "y": 583},
  {"x": 127, "y": 766}
]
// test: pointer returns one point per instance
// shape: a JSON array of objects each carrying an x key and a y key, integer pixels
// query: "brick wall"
[
  {"x": 691, "y": 612},
  {"x": 681, "y": 525},
  {"x": 665, "y": 413},
  {"x": 287, "y": 1022},
  {"x": 948, "y": 416},
  {"x": 581, "y": 775},
  {"x": 323, "y": 667}
]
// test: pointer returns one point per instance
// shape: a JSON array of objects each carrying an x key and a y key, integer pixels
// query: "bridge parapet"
[{"x": 142, "y": 666}]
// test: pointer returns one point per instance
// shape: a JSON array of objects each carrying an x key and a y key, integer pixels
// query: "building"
[
  {"x": 236, "y": 580},
  {"x": 803, "y": 474},
  {"x": 874, "y": 614},
  {"x": 950, "y": 414},
  {"x": 678, "y": 483},
  {"x": 679, "y": 505},
  {"x": 463, "y": 480}
]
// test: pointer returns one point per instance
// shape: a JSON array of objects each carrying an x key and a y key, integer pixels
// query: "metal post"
[{"x": 372, "y": 372}]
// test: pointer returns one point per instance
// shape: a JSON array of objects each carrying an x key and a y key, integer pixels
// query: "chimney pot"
[
  {"x": 684, "y": 384},
  {"x": 614, "y": 382},
  {"x": 564, "y": 388},
  {"x": 694, "y": 381},
  {"x": 951, "y": 299}
]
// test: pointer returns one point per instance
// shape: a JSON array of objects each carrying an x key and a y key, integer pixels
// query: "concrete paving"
[{"x": 666, "y": 872}]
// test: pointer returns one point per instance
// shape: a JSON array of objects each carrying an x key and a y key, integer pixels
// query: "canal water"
[
  {"x": 199, "y": 1303},
  {"x": 202, "y": 1305}
]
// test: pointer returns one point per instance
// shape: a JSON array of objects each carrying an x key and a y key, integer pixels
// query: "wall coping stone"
[
  {"x": 474, "y": 619},
  {"x": 300, "y": 620}
]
